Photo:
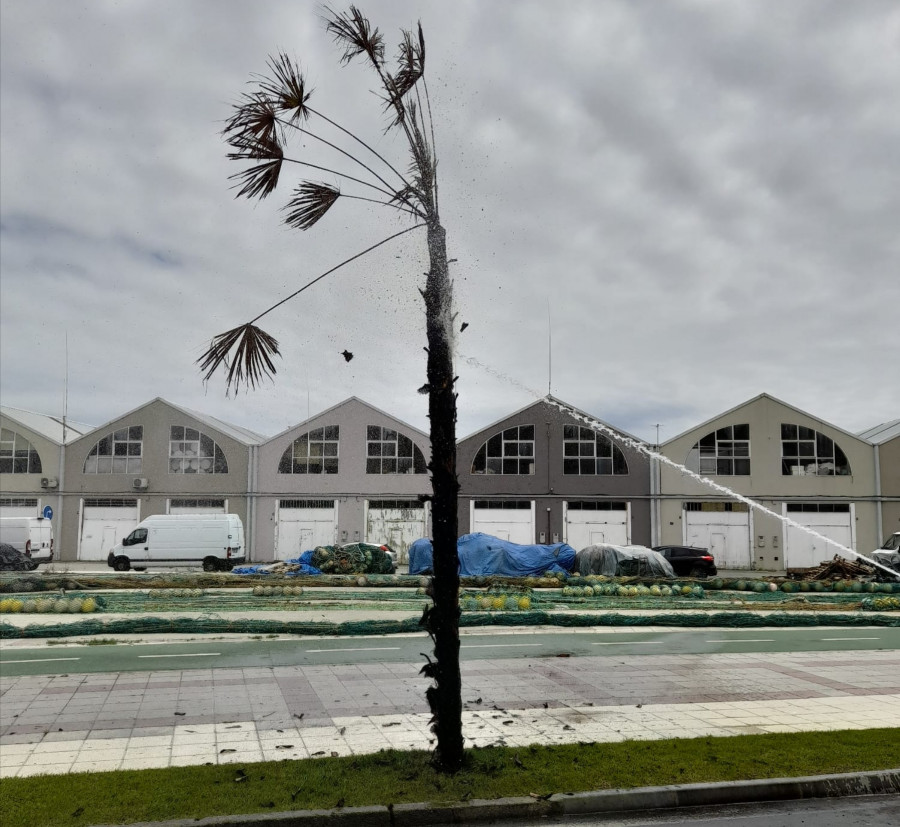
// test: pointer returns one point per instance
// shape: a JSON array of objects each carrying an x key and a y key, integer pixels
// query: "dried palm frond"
[
  {"x": 251, "y": 362},
  {"x": 354, "y": 32},
  {"x": 310, "y": 202},
  {"x": 263, "y": 178},
  {"x": 412, "y": 62},
  {"x": 255, "y": 117},
  {"x": 406, "y": 195},
  {"x": 287, "y": 88}
]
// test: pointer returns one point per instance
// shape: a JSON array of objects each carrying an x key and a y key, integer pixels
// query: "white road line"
[
  {"x": 627, "y": 643},
  {"x": 190, "y": 655},
  {"x": 850, "y": 638},
  {"x": 36, "y": 660},
  {"x": 496, "y": 645},
  {"x": 744, "y": 640},
  {"x": 363, "y": 649}
]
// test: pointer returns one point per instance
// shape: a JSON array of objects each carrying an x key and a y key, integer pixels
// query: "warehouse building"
[
  {"x": 543, "y": 475},
  {"x": 352, "y": 473},
  {"x": 796, "y": 465}
]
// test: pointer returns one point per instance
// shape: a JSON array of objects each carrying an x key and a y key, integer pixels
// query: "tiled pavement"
[{"x": 72, "y": 723}]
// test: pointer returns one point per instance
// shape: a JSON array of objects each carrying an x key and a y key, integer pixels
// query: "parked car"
[
  {"x": 689, "y": 561},
  {"x": 11, "y": 559}
]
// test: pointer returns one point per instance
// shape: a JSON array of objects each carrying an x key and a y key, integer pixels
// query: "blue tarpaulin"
[{"x": 481, "y": 554}]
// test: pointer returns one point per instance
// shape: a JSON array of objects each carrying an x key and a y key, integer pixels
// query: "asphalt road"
[
  {"x": 861, "y": 811},
  {"x": 289, "y": 651}
]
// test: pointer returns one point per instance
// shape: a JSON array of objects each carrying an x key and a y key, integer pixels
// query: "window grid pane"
[
  {"x": 598, "y": 455},
  {"x": 807, "y": 452},
  {"x": 717, "y": 449},
  {"x": 390, "y": 452},
  {"x": 315, "y": 452},
  {"x": 117, "y": 453},
  {"x": 509, "y": 452},
  {"x": 192, "y": 452}
]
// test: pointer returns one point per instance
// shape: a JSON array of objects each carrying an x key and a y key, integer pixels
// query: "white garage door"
[
  {"x": 302, "y": 525},
  {"x": 724, "y": 529},
  {"x": 104, "y": 523},
  {"x": 197, "y": 507},
  {"x": 397, "y": 523},
  {"x": 511, "y": 520},
  {"x": 589, "y": 523},
  {"x": 832, "y": 520},
  {"x": 19, "y": 507}
]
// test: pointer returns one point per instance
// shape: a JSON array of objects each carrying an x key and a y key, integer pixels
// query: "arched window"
[
  {"x": 17, "y": 454},
  {"x": 118, "y": 452},
  {"x": 806, "y": 452},
  {"x": 588, "y": 453},
  {"x": 724, "y": 452},
  {"x": 390, "y": 452},
  {"x": 507, "y": 452},
  {"x": 193, "y": 452},
  {"x": 315, "y": 452}
]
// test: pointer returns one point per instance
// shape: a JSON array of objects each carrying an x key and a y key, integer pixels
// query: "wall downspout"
[
  {"x": 879, "y": 535},
  {"x": 654, "y": 499},
  {"x": 60, "y": 476},
  {"x": 248, "y": 534}
]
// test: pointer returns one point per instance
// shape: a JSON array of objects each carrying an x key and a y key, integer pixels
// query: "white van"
[
  {"x": 33, "y": 536},
  {"x": 214, "y": 541}
]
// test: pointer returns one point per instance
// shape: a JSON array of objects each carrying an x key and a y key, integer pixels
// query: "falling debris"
[
  {"x": 347, "y": 355},
  {"x": 463, "y": 326}
]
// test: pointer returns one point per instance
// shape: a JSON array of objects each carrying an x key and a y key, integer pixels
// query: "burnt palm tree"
[{"x": 260, "y": 130}]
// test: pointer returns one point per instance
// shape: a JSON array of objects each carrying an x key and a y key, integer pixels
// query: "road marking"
[
  {"x": 190, "y": 655},
  {"x": 744, "y": 640},
  {"x": 36, "y": 660},
  {"x": 627, "y": 643},
  {"x": 850, "y": 638},
  {"x": 363, "y": 649},
  {"x": 496, "y": 645}
]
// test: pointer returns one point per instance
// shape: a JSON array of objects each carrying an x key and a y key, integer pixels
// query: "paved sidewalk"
[{"x": 74, "y": 723}]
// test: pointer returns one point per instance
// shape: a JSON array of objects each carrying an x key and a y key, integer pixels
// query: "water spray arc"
[{"x": 599, "y": 427}]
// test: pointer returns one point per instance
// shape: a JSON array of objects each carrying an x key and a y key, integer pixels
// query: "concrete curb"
[{"x": 602, "y": 801}]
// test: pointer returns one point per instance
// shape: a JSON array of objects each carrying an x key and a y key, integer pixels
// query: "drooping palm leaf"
[
  {"x": 411, "y": 60},
  {"x": 287, "y": 88},
  {"x": 254, "y": 117},
  {"x": 357, "y": 36},
  {"x": 261, "y": 179},
  {"x": 310, "y": 202},
  {"x": 251, "y": 361}
]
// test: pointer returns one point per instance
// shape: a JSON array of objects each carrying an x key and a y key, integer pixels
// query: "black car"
[
  {"x": 11, "y": 559},
  {"x": 688, "y": 561}
]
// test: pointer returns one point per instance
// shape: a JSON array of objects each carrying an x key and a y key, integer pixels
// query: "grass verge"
[{"x": 395, "y": 777}]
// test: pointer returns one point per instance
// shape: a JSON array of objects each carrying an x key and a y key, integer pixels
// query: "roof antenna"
[{"x": 549, "y": 350}]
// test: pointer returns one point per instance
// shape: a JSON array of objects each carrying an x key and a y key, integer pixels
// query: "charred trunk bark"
[{"x": 442, "y": 619}]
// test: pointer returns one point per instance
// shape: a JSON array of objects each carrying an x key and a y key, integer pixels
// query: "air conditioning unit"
[
  {"x": 49, "y": 482},
  {"x": 140, "y": 482}
]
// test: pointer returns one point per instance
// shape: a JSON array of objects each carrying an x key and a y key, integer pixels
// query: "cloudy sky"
[{"x": 700, "y": 199}]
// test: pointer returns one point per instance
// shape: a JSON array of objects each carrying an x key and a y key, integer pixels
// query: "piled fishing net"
[{"x": 355, "y": 558}]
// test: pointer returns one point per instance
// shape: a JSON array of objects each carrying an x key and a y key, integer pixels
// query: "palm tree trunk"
[{"x": 442, "y": 620}]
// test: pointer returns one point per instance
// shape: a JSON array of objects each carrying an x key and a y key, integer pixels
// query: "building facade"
[
  {"x": 544, "y": 475},
  {"x": 352, "y": 473},
  {"x": 885, "y": 439},
  {"x": 32, "y": 461},
  {"x": 156, "y": 459},
  {"x": 797, "y": 466}
]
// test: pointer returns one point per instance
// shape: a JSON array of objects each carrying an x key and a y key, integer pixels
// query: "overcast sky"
[{"x": 701, "y": 199}]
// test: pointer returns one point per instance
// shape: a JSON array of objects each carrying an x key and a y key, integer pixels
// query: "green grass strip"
[{"x": 394, "y": 777}]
